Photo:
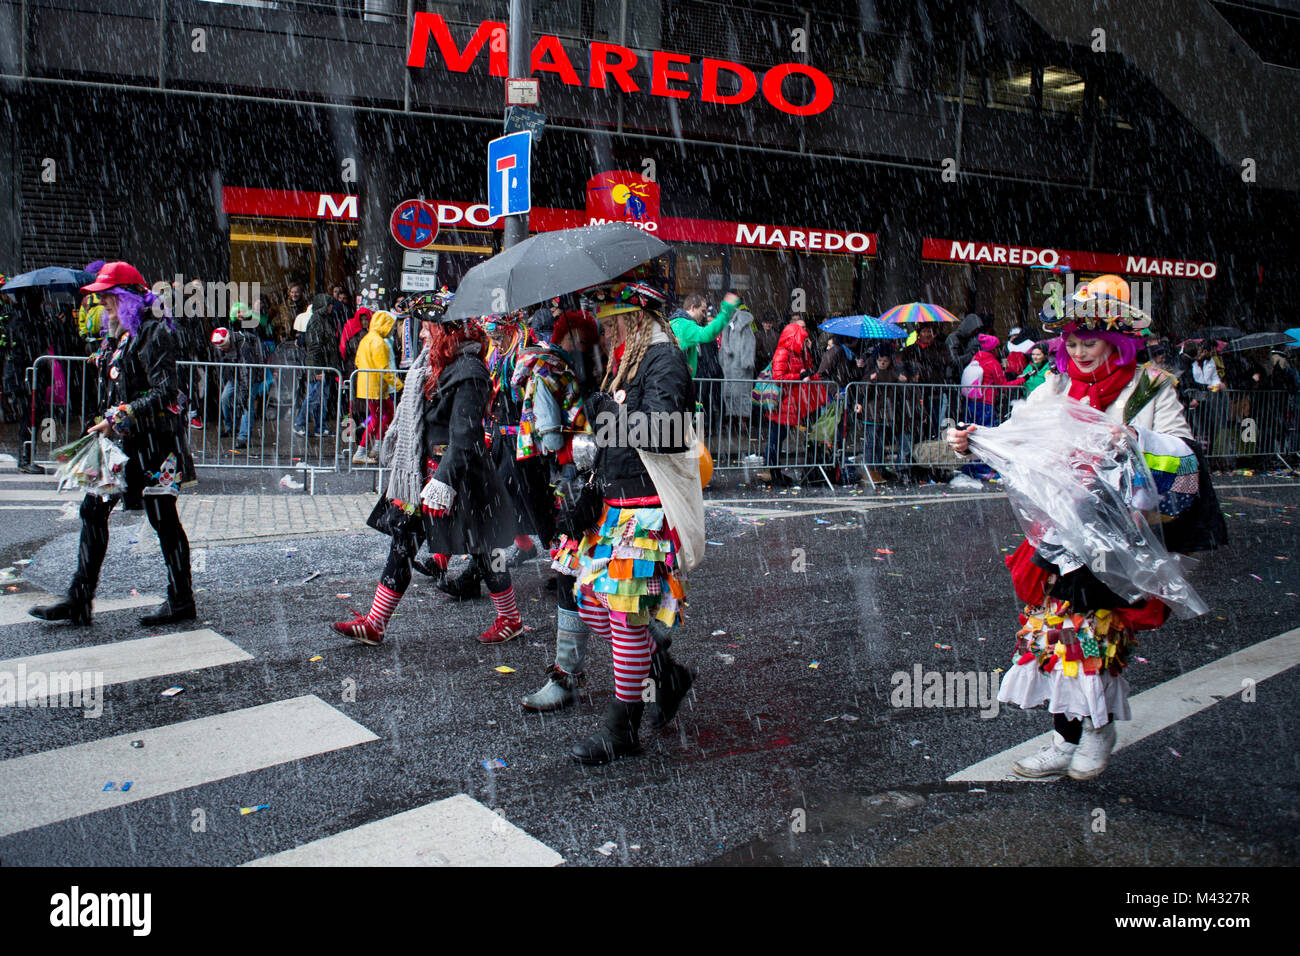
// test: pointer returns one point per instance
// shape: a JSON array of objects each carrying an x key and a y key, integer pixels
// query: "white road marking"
[
  {"x": 458, "y": 831},
  {"x": 56, "y": 785},
  {"x": 1165, "y": 705},
  {"x": 47, "y": 479},
  {"x": 125, "y": 661},
  {"x": 13, "y": 607},
  {"x": 31, "y": 507}
]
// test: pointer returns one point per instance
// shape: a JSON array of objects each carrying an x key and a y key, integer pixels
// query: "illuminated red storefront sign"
[
  {"x": 288, "y": 204},
  {"x": 240, "y": 201},
  {"x": 1064, "y": 260},
  {"x": 610, "y": 61}
]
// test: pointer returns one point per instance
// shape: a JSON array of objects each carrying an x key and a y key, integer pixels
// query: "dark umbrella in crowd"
[
  {"x": 551, "y": 264},
  {"x": 1260, "y": 340},
  {"x": 1223, "y": 332},
  {"x": 51, "y": 279}
]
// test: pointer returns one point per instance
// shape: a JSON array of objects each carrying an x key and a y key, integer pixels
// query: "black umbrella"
[
  {"x": 1260, "y": 340},
  {"x": 52, "y": 279},
  {"x": 551, "y": 264},
  {"x": 1222, "y": 332}
]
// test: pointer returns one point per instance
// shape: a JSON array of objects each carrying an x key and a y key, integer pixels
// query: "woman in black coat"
[
  {"x": 443, "y": 490},
  {"x": 146, "y": 416}
]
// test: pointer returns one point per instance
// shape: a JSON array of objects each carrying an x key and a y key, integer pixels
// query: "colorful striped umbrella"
[
  {"x": 862, "y": 327},
  {"x": 918, "y": 312}
]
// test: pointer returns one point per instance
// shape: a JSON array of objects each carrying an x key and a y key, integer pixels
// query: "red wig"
[{"x": 445, "y": 344}]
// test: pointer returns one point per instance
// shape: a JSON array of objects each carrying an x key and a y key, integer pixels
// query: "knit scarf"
[
  {"x": 403, "y": 448},
  {"x": 546, "y": 366},
  {"x": 1101, "y": 386}
]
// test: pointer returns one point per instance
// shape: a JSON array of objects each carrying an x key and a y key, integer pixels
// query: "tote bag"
[{"x": 676, "y": 478}]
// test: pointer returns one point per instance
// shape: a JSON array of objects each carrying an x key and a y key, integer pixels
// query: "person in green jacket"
[
  {"x": 690, "y": 334},
  {"x": 1038, "y": 368}
]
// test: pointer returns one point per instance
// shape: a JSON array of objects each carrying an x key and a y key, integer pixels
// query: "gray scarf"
[{"x": 403, "y": 445}]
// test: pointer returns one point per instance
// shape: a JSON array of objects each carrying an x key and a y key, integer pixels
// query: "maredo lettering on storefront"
[
  {"x": 613, "y": 196},
  {"x": 611, "y": 61},
  {"x": 1063, "y": 260}
]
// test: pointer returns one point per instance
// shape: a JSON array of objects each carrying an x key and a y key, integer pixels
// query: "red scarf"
[{"x": 1102, "y": 385}]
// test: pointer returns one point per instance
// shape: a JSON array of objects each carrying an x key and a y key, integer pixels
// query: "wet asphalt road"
[{"x": 764, "y": 736}]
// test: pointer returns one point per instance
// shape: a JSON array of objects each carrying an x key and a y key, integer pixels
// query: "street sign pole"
[{"x": 521, "y": 42}]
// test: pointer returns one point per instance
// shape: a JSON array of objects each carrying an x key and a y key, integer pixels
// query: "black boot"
[
  {"x": 169, "y": 613},
  {"x": 463, "y": 588},
  {"x": 672, "y": 683},
  {"x": 78, "y": 612},
  {"x": 428, "y": 568},
  {"x": 616, "y": 738}
]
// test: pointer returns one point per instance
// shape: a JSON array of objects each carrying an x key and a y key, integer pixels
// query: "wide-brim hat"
[
  {"x": 621, "y": 298},
  {"x": 1100, "y": 306},
  {"x": 430, "y": 306}
]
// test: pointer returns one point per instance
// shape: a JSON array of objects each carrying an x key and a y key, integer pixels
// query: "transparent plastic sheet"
[
  {"x": 1079, "y": 486},
  {"x": 93, "y": 463}
]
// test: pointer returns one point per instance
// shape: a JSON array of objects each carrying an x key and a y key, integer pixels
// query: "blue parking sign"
[{"x": 508, "y": 175}]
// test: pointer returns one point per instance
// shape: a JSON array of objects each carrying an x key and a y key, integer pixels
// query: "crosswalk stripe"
[
  {"x": 123, "y": 661},
  {"x": 42, "y": 479},
  {"x": 1167, "y": 704},
  {"x": 32, "y": 494},
  {"x": 458, "y": 831},
  {"x": 13, "y": 607},
  {"x": 56, "y": 785}
]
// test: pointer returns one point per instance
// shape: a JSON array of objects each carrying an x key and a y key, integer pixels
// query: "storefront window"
[
  {"x": 274, "y": 252},
  {"x": 1063, "y": 90}
]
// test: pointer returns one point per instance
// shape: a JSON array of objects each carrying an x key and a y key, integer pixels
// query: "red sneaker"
[
  {"x": 503, "y": 629},
  {"x": 360, "y": 631}
]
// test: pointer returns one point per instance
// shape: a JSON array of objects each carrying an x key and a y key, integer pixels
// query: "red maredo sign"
[
  {"x": 999, "y": 254},
  {"x": 622, "y": 196},
  {"x": 609, "y": 61}
]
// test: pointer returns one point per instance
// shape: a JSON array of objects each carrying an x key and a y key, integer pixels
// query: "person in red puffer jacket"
[{"x": 793, "y": 362}]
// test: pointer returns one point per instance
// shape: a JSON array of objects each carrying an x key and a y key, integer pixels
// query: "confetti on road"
[
  {"x": 496, "y": 763},
  {"x": 245, "y": 811},
  {"x": 173, "y": 691},
  {"x": 607, "y": 849},
  {"x": 815, "y": 664},
  {"x": 504, "y": 670},
  {"x": 316, "y": 658}
]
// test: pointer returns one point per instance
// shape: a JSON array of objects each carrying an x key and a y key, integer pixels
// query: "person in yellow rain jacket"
[{"x": 376, "y": 383}]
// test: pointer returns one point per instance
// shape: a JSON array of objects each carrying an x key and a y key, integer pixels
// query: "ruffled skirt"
[
  {"x": 1073, "y": 663},
  {"x": 628, "y": 564}
]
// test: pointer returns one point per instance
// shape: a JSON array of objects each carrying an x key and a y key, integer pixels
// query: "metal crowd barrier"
[
  {"x": 262, "y": 404},
  {"x": 857, "y": 432},
  {"x": 365, "y": 421}
]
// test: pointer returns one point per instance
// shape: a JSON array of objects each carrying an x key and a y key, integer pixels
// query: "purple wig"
[
  {"x": 1126, "y": 346},
  {"x": 132, "y": 305}
]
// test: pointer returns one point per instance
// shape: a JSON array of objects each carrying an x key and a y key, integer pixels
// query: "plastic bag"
[
  {"x": 1079, "y": 484},
  {"x": 94, "y": 463}
]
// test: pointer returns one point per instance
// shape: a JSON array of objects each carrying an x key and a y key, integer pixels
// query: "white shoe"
[
  {"x": 1094, "y": 750},
  {"x": 1051, "y": 761},
  {"x": 359, "y": 457}
]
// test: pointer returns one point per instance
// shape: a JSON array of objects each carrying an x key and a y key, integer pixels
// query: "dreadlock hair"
[{"x": 634, "y": 350}]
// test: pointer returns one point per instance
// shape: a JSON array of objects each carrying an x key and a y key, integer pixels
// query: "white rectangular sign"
[
  {"x": 419, "y": 281},
  {"x": 420, "y": 261}
]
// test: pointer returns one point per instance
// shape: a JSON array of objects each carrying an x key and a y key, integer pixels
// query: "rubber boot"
[
  {"x": 672, "y": 683},
  {"x": 617, "y": 736},
  {"x": 565, "y": 676}
]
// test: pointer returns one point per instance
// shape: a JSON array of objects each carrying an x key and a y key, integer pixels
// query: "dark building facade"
[{"x": 964, "y": 146}]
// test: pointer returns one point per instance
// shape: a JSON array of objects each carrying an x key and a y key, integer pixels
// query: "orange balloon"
[
  {"x": 1111, "y": 285},
  {"x": 706, "y": 465}
]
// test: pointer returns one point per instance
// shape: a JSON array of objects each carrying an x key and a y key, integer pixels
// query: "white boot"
[
  {"x": 1094, "y": 750},
  {"x": 1051, "y": 761}
]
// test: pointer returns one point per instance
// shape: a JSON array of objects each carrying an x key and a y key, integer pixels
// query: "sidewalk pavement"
[{"x": 214, "y": 520}]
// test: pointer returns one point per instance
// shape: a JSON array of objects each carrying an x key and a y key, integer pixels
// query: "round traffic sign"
[{"x": 414, "y": 224}]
